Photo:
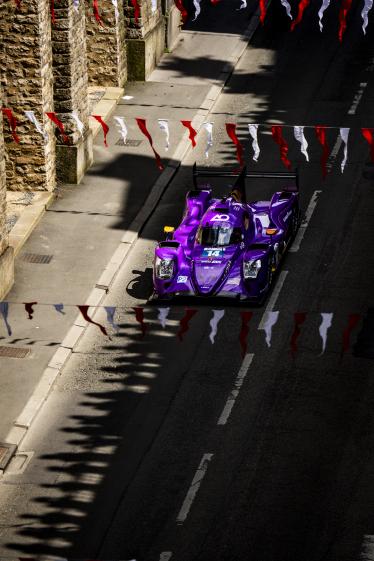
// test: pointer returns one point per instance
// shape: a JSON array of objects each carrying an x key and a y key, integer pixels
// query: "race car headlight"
[
  {"x": 164, "y": 268},
  {"x": 251, "y": 268}
]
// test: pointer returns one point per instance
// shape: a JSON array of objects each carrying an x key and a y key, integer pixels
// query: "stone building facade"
[{"x": 51, "y": 51}]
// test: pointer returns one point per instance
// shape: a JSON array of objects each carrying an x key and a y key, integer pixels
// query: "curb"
[{"x": 97, "y": 295}]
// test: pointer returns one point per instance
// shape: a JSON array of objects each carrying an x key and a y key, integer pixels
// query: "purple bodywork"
[{"x": 226, "y": 246}]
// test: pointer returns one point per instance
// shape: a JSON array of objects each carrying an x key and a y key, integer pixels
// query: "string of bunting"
[
  {"x": 277, "y": 133},
  {"x": 296, "y": 18},
  {"x": 271, "y": 319}
]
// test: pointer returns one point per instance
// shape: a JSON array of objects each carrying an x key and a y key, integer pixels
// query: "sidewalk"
[{"x": 65, "y": 259}]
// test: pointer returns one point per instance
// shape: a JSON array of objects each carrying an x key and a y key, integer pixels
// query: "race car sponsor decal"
[
  {"x": 235, "y": 281},
  {"x": 212, "y": 252},
  {"x": 220, "y": 218},
  {"x": 287, "y": 215},
  {"x": 182, "y": 278}
]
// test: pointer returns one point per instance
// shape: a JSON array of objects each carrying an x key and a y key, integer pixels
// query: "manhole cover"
[
  {"x": 129, "y": 142},
  {"x": 6, "y": 452},
  {"x": 36, "y": 258},
  {"x": 13, "y": 352}
]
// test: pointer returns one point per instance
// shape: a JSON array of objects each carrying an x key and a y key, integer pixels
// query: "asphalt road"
[{"x": 137, "y": 453}]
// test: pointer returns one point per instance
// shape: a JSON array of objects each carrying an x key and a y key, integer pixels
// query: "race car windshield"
[{"x": 218, "y": 235}]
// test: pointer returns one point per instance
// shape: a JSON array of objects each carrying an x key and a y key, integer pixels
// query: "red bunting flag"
[
  {"x": 139, "y": 316},
  {"x": 29, "y": 308},
  {"x": 96, "y": 12},
  {"x": 262, "y": 11},
  {"x": 179, "y": 4},
  {"x": 276, "y": 131},
  {"x": 299, "y": 318},
  {"x": 53, "y": 18},
  {"x": 84, "y": 311},
  {"x": 143, "y": 127},
  {"x": 136, "y": 10},
  {"x": 343, "y": 12},
  {"x": 230, "y": 129},
  {"x": 321, "y": 136},
  {"x": 244, "y": 330},
  {"x": 18, "y": 3},
  {"x": 104, "y": 127},
  {"x": 12, "y": 122},
  {"x": 368, "y": 135},
  {"x": 300, "y": 12},
  {"x": 353, "y": 320},
  {"x": 59, "y": 125},
  {"x": 184, "y": 323},
  {"x": 192, "y": 131},
  {"x": 215, "y": 2}
]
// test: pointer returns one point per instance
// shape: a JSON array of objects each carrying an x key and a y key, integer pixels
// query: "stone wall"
[
  {"x": 106, "y": 45},
  {"x": 28, "y": 85},
  {"x": 148, "y": 18},
  {"x": 70, "y": 90},
  {"x": 3, "y": 236},
  {"x": 6, "y": 252},
  {"x": 145, "y": 38}
]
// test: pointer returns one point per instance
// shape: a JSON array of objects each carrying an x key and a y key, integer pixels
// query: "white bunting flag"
[
  {"x": 78, "y": 122},
  {"x": 270, "y": 321},
  {"x": 153, "y": 6},
  {"x": 208, "y": 127},
  {"x": 253, "y": 130},
  {"x": 300, "y": 137},
  {"x": 76, "y": 5},
  {"x": 164, "y": 126},
  {"x": 344, "y": 133},
  {"x": 217, "y": 316},
  {"x": 115, "y": 4},
  {"x": 196, "y": 4},
  {"x": 122, "y": 127},
  {"x": 323, "y": 329},
  {"x": 162, "y": 316},
  {"x": 288, "y": 7},
  {"x": 31, "y": 116},
  {"x": 243, "y": 5},
  {"x": 325, "y": 5},
  {"x": 364, "y": 14}
]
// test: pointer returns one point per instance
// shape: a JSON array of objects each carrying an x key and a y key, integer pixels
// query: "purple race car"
[{"x": 227, "y": 246}]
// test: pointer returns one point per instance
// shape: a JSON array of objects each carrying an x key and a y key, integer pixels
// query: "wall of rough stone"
[
  {"x": 148, "y": 19},
  {"x": 3, "y": 236},
  {"x": 70, "y": 66},
  {"x": 106, "y": 46},
  {"x": 26, "y": 65}
]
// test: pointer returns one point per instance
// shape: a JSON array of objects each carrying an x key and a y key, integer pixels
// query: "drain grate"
[
  {"x": 36, "y": 258},
  {"x": 6, "y": 453},
  {"x": 129, "y": 142},
  {"x": 13, "y": 352}
]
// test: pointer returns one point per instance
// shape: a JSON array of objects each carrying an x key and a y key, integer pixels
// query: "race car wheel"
[{"x": 295, "y": 222}]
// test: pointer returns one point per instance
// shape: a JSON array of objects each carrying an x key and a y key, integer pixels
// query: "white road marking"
[
  {"x": 273, "y": 298},
  {"x": 166, "y": 555},
  {"x": 308, "y": 215},
  {"x": 235, "y": 392},
  {"x": 357, "y": 98},
  {"x": 334, "y": 152},
  {"x": 196, "y": 482}
]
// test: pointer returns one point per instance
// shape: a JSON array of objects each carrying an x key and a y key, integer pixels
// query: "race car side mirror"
[{"x": 271, "y": 231}]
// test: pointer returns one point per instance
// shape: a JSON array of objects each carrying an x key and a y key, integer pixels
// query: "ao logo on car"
[{"x": 220, "y": 217}]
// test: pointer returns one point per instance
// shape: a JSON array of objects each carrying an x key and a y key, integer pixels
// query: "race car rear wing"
[{"x": 244, "y": 174}]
